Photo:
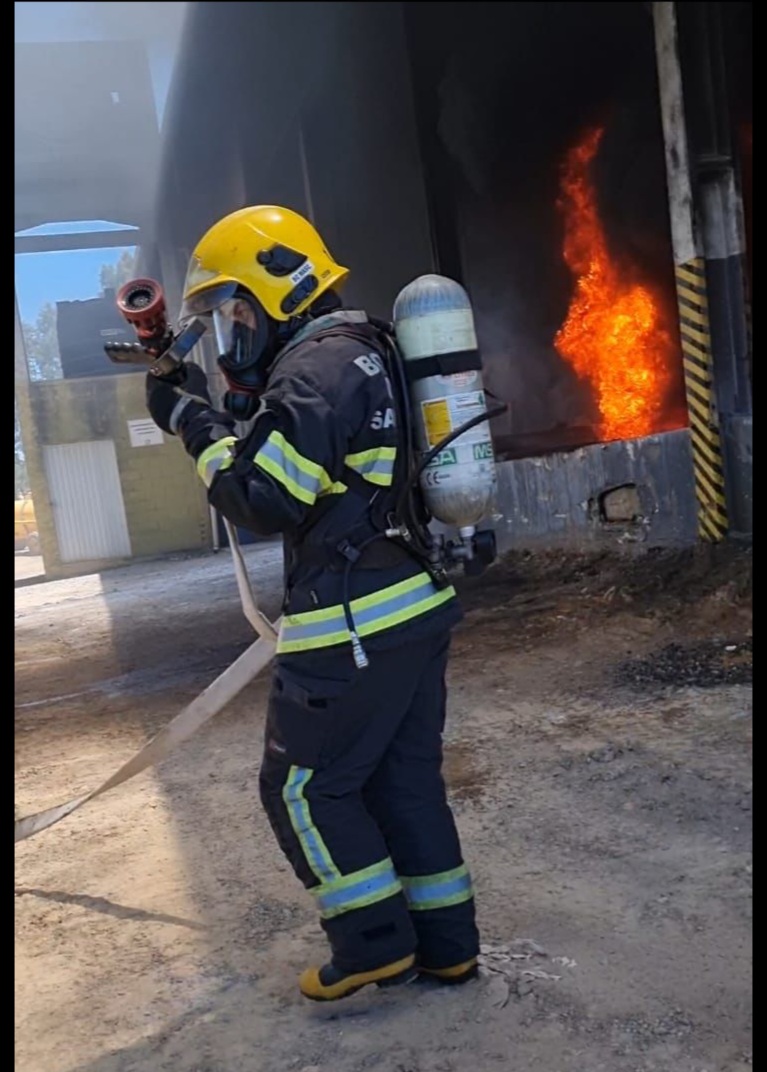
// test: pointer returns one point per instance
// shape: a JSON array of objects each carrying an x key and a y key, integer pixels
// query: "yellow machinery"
[{"x": 26, "y": 537}]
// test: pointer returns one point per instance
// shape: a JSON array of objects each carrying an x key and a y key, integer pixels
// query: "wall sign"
[{"x": 145, "y": 433}]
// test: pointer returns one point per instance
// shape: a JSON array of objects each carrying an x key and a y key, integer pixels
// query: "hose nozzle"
[{"x": 142, "y": 303}]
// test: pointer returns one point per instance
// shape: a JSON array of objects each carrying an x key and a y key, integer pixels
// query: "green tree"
[
  {"x": 112, "y": 276},
  {"x": 42, "y": 345}
]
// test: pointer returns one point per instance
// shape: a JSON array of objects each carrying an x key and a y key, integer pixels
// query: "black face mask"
[
  {"x": 248, "y": 341},
  {"x": 247, "y": 352}
]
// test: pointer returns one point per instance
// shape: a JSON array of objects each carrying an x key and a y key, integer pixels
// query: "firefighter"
[{"x": 351, "y": 773}]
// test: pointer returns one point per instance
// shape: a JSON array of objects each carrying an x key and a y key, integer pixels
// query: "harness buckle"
[{"x": 349, "y": 551}]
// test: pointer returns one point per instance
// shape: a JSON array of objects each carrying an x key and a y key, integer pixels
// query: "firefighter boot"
[
  {"x": 330, "y": 984},
  {"x": 454, "y": 975}
]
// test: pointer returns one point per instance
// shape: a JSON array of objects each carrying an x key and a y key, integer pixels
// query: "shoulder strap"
[{"x": 381, "y": 503}]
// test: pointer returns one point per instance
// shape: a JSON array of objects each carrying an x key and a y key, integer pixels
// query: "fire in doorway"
[{"x": 614, "y": 335}]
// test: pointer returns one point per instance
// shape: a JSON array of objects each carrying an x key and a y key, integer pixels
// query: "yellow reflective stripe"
[
  {"x": 362, "y": 603},
  {"x": 382, "y": 479},
  {"x": 300, "y": 476},
  {"x": 399, "y": 616},
  {"x": 358, "y": 890},
  {"x": 216, "y": 456},
  {"x": 304, "y": 464},
  {"x": 375, "y": 465},
  {"x": 301, "y": 624},
  {"x": 279, "y": 474},
  {"x": 312, "y": 845},
  {"x": 373, "y": 455}
]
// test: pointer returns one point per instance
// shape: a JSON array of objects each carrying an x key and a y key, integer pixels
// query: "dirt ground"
[
  {"x": 28, "y": 567},
  {"x": 599, "y": 760}
]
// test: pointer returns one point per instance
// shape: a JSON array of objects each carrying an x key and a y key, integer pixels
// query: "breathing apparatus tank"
[{"x": 434, "y": 327}]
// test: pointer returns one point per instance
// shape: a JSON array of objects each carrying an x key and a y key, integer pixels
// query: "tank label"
[
  {"x": 436, "y": 419},
  {"x": 458, "y": 379},
  {"x": 441, "y": 416}
]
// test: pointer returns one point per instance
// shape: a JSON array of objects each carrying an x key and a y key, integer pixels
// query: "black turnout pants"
[{"x": 351, "y": 782}]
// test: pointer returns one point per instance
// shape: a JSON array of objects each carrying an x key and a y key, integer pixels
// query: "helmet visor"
[
  {"x": 204, "y": 303},
  {"x": 236, "y": 323}
]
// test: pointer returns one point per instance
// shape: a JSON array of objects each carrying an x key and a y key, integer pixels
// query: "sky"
[{"x": 74, "y": 275}]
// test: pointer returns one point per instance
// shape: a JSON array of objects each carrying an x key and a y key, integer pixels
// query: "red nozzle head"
[{"x": 142, "y": 303}]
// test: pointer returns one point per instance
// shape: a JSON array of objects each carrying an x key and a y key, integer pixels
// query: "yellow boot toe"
[
  {"x": 329, "y": 984},
  {"x": 455, "y": 974}
]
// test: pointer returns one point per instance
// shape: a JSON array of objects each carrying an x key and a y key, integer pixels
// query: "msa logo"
[
  {"x": 370, "y": 364},
  {"x": 483, "y": 452},
  {"x": 446, "y": 457},
  {"x": 382, "y": 420},
  {"x": 299, "y": 274}
]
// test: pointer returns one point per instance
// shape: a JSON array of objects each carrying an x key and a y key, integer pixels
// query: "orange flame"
[{"x": 613, "y": 335}]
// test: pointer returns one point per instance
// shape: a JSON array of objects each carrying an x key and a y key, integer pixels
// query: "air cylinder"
[{"x": 434, "y": 325}]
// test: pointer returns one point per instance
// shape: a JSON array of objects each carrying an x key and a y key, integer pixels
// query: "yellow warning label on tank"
[{"x": 436, "y": 420}]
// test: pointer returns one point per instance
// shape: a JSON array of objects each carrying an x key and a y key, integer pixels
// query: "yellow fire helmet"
[{"x": 272, "y": 252}]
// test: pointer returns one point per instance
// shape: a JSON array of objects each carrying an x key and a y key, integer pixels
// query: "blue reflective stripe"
[
  {"x": 419, "y": 894},
  {"x": 275, "y": 453},
  {"x": 366, "y": 891},
  {"x": 427, "y": 892},
  {"x": 376, "y": 465},
  {"x": 382, "y": 467},
  {"x": 361, "y": 617},
  {"x": 384, "y": 609}
]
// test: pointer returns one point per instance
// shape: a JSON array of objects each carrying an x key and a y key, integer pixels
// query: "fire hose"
[
  {"x": 209, "y": 703},
  {"x": 142, "y": 303}
]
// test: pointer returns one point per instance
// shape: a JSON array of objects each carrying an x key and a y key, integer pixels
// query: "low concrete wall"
[{"x": 638, "y": 491}]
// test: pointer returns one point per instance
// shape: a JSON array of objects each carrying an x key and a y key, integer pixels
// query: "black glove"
[
  {"x": 163, "y": 396},
  {"x": 185, "y": 409}
]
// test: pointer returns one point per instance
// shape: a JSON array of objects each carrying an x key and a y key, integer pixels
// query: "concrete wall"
[
  {"x": 165, "y": 501},
  {"x": 620, "y": 494}
]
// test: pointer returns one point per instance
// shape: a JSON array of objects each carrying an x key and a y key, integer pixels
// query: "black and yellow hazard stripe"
[{"x": 708, "y": 463}]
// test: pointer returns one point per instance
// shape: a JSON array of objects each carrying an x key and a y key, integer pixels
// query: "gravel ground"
[{"x": 598, "y": 754}]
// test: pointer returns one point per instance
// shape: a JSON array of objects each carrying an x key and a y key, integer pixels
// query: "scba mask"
[
  {"x": 243, "y": 338},
  {"x": 246, "y": 341}
]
